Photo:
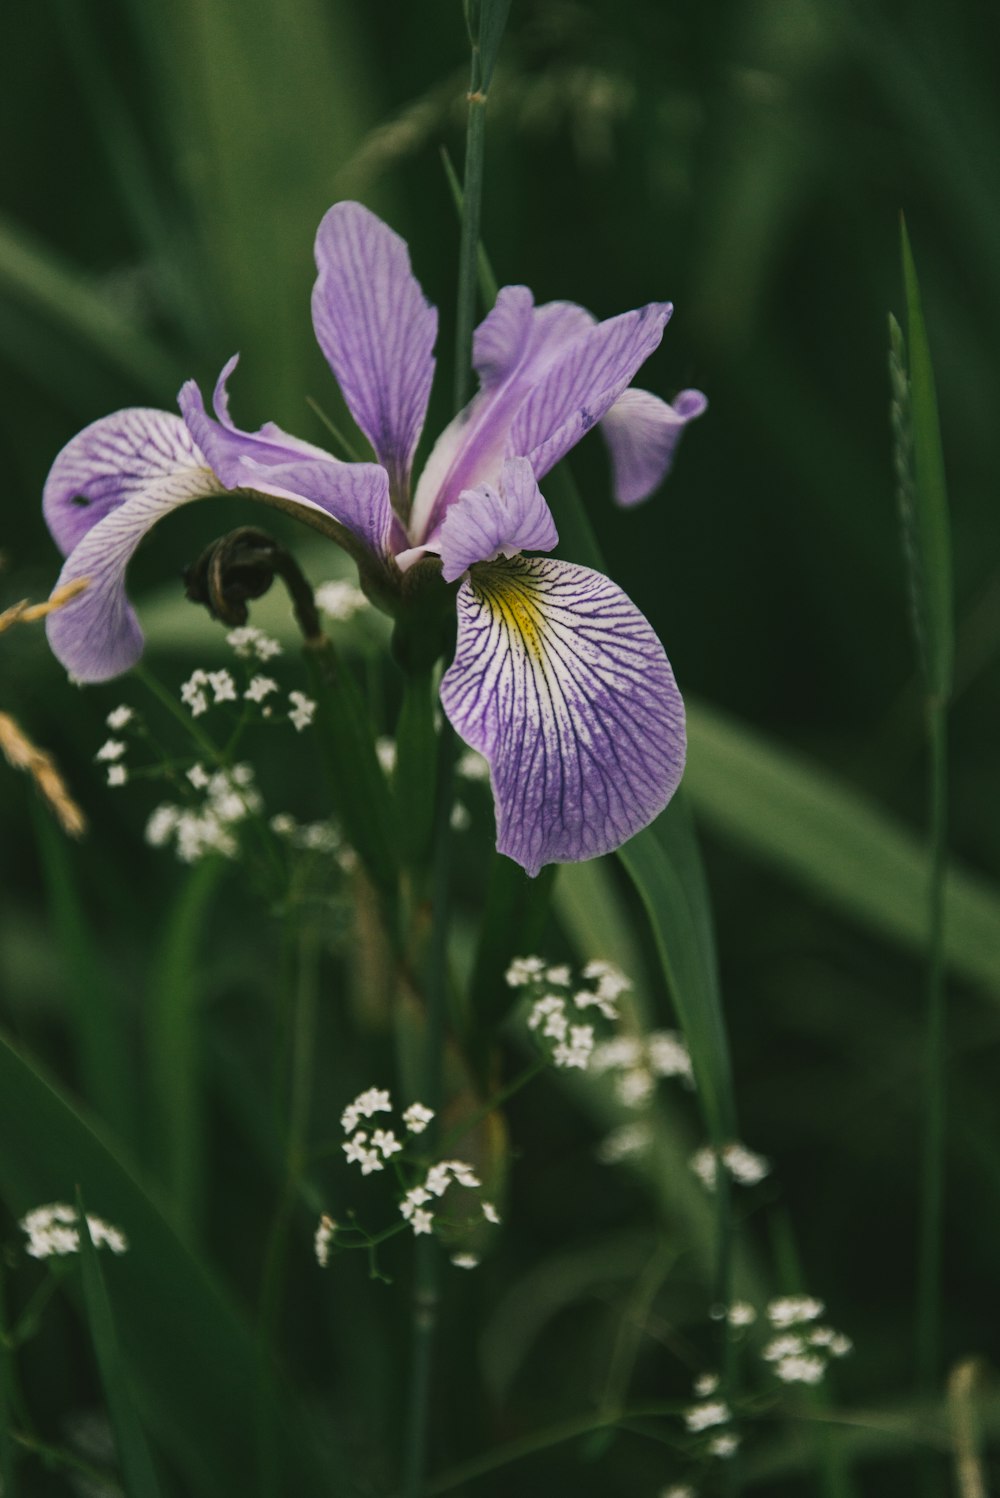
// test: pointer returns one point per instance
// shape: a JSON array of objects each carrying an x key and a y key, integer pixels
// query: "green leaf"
[
  {"x": 803, "y": 822},
  {"x": 130, "y": 1440},
  {"x": 931, "y": 532},
  {"x": 191, "y": 1359},
  {"x": 486, "y": 20},
  {"x": 7, "y": 1485}
]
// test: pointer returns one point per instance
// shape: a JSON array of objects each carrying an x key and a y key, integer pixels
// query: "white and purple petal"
[
  {"x": 560, "y": 682},
  {"x": 377, "y": 330},
  {"x": 130, "y": 452},
  {"x": 642, "y": 433},
  {"x": 270, "y": 461},
  {"x": 486, "y": 523}
]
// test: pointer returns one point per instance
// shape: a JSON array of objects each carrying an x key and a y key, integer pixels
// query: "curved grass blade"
[
  {"x": 130, "y": 1441},
  {"x": 189, "y": 1355}
]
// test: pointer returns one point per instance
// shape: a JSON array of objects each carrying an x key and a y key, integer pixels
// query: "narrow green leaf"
[
  {"x": 486, "y": 20},
  {"x": 514, "y": 918},
  {"x": 191, "y": 1357},
  {"x": 7, "y": 1484},
  {"x": 930, "y": 520},
  {"x": 130, "y": 1441},
  {"x": 802, "y": 821},
  {"x": 416, "y": 759}
]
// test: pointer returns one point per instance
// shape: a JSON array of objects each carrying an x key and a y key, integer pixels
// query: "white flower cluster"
[
  {"x": 554, "y": 1007},
  {"x": 744, "y": 1166},
  {"x": 801, "y": 1352},
  {"x": 708, "y": 1414},
  {"x": 252, "y": 644},
  {"x": 370, "y": 1152},
  {"x": 230, "y": 797},
  {"x": 639, "y": 1061},
  {"x": 222, "y": 686},
  {"x": 340, "y": 600},
  {"x": 113, "y": 750},
  {"x": 54, "y": 1231},
  {"x": 308, "y": 837}
]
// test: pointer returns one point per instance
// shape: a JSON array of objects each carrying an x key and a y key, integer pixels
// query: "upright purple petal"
[
  {"x": 377, "y": 330},
  {"x": 581, "y": 385},
  {"x": 486, "y": 524},
  {"x": 130, "y": 452},
  {"x": 356, "y": 495},
  {"x": 563, "y": 686},
  {"x": 642, "y": 433}
]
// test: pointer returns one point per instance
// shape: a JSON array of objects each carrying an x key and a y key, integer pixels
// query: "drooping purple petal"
[
  {"x": 96, "y": 635},
  {"x": 270, "y": 461},
  {"x": 642, "y": 433},
  {"x": 131, "y": 452},
  {"x": 485, "y": 523},
  {"x": 548, "y": 374},
  {"x": 377, "y": 331},
  {"x": 560, "y": 682}
]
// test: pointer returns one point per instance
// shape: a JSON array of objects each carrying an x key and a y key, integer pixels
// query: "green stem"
[
  {"x": 427, "y": 1268},
  {"x": 932, "y": 1206},
  {"x": 472, "y": 199}
]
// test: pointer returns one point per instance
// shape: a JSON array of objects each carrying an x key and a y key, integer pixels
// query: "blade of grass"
[
  {"x": 130, "y": 1441},
  {"x": 7, "y": 1484}
]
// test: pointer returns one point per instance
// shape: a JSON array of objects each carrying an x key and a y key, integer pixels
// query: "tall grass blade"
[{"x": 133, "y": 1452}]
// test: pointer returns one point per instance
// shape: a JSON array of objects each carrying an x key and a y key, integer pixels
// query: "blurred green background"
[{"x": 164, "y": 170}]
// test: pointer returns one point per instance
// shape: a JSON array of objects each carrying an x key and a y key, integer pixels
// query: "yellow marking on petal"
[{"x": 508, "y": 595}]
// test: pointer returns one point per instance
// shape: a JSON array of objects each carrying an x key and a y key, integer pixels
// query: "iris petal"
[
  {"x": 642, "y": 433},
  {"x": 485, "y": 523},
  {"x": 377, "y": 331},
  {"x": 560, "y": 682}
]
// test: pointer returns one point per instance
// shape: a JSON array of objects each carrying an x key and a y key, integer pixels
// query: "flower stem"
[{"x": 472, "y": 198}]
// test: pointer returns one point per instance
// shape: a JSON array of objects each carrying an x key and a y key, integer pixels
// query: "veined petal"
[
  {"x": 560, "y": 682},
  {"x": 642, "y": 433},
  {"x": 356, "y": 495},
  {"x": 581, "y": 385},
  {"x": 131, "y": 452},
  {"x": 485, "y": 524},
  {"x": 96, "y": 635},
  {"x": 377, "y": 331}
]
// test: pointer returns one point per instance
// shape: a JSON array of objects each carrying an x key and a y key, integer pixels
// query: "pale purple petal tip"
[
  {"x": 484, "y": 523},
  {"x": 642, "y": 433},
  {"x": 271, "y": 461},
  {"x": 560, "y": 682},
  {"x": 377, "y": 331}
]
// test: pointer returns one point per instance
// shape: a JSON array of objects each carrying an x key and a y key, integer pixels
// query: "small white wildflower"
[
  {"x": 385, "y": 751},
  {"x": 559, "y": 977},
  {"x": 808, "y": 1368},
  {"x": 745, "y": 1167},
  {"x": 586, "y": 999},
  {"x": 373, "y": 1100},
  {"x": 667, "y": 1054},
  {"x": 111, "y": 750},
  {"x": 460, "y": 820},
  {"x": 789, "y": 1310},
  {"x": 702, "y": 1416},
  {"x": 741, "y": 1313},
  {"x": 303, "y": 710},
  {"x": 358, "y": 1154},
  {"x": 161, "y": 825},
  {"x": 549, "y": 1012},
  {"x": 611, "y": 981},
  {"x": 223, "y": 686},
  {"x": 250, "y": 643},
  {"x": 463, "y": 1173},
  {"x": 386, "y": 1141},
  {"x": 322, "y": 1240},
  {"x": 117, "y": 775},
  {"x": 422, "y": 1222},
  {"x": 416, "y": 1117},
  {"x": 119, "y": 717},
  {"x": 53, "y": 1231},
  {"x": 635, "y": 1087},
  {"x": 282, "y": 824},
  {"x": 259, "y": 688},
  {"x": 413, "y": 1199},
  {"x": 788, "y": 1345},
  {"x": 705, "y": 1384},
  {"x": 577, "y": 1052},
  {"x": 841, "y": 1346},
  {"x": 465, "y": 1261},
  {"x": 472, "y": 766},
  {"x": 620, "y": 1054},
  {"x": 340, "y": 600},
  {"x": 199, "y": 777},
  {"x": 490, "y": 1213},
  {"x": 724, "y": 1446},
  {"x": 624, "y": 1143},
  {"x": 193, "y": 693},
  {"x": 524, "y": 970}
]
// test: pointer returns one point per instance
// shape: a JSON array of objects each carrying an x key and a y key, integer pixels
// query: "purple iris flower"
[{"x": 557, "y": 679}]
